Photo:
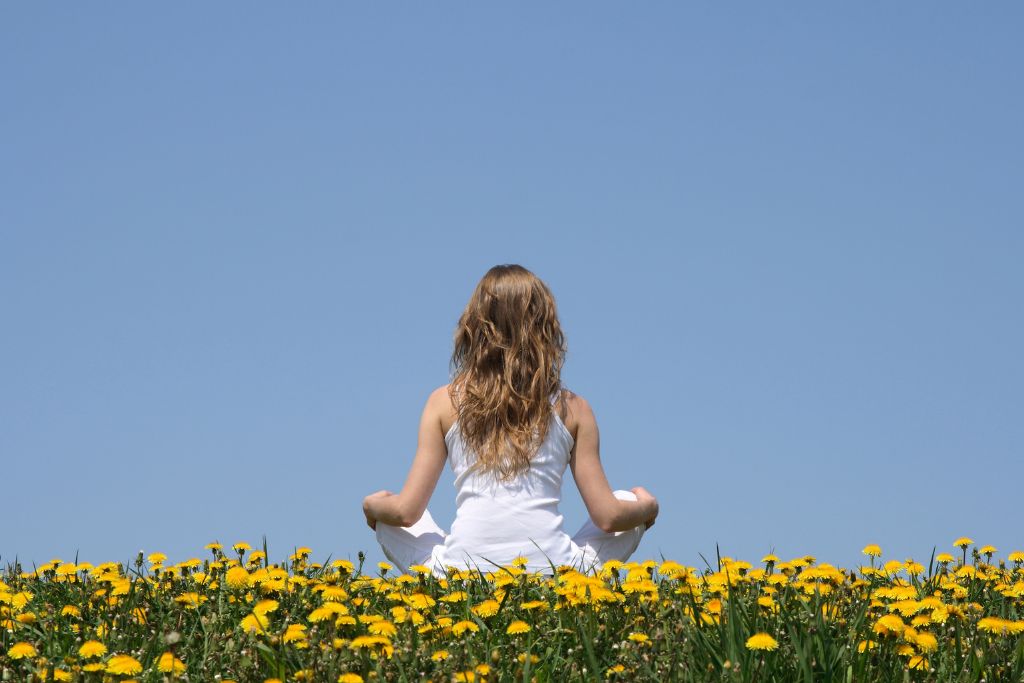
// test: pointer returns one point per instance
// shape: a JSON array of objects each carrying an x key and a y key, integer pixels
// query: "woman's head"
[{"x": 507, "y": 362}]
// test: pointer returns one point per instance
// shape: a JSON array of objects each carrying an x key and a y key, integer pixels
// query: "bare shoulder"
[
  {"x": 441, "y": 407},
  {"x": 575, "y": 411}
]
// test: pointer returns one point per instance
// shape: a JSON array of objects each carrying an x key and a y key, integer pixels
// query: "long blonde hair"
[{"x": 507, "y": 365}]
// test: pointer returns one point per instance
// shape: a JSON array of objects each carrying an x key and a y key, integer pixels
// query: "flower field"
[{"x": 237, "y": 617}]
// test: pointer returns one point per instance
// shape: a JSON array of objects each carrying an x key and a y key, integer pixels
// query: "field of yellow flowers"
[{"x": 237, "y": 617}]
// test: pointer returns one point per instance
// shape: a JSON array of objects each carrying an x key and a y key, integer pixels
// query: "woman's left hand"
[{"x": 371, "y": 517}]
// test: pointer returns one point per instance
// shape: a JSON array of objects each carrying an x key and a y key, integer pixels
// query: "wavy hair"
[{"x": 506, "y": 369}]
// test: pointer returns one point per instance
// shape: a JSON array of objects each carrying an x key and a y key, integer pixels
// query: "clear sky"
[{"x": 785, "y": 239}]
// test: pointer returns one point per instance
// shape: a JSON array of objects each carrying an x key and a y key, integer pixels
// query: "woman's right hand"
[{"x": 644, "y": 497}]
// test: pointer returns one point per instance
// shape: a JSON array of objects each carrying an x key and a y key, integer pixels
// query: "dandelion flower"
[
  {"x": 962, "y": 542},
  {"x": 890, "y": 624},
  {"x": 866, "y": 645},
  {"x": 21, "y": 650},
  {"x": 168, "y": 663},
  {"x": 237, "y": 577},
  {"x": 294, "y": 633},
  {"x": 639, "y": 637},
  {"x": 761, "y": 641},
  {"x": 254, "y": 623},
  {"x": 487, "y": 608},
  {"x": 993, "y": 625},
  {"x": 440, "y": 655},
  {"x": 926, "y": 642},
  {"x": 264, "y": 606},
  {"x": 517, "y": 626},
  {"x": 92, "y": 648},
  {"x": 350, "y": 678},
  {"x": 463, "y": 626},
  {"x": 872, "y": 550},
  {"x": 121, "y": 665},
  {"x": 382, "y": 628}
]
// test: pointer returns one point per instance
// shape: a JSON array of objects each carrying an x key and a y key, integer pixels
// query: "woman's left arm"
[{"x": 406, "y": 507}]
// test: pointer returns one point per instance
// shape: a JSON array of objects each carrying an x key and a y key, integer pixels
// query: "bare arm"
[
  {"x": 608, "y": 512},
  {"x": 406, "y": 507}
]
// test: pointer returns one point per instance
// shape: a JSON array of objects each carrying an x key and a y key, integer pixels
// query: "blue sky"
[{"x": 785, "y": 241}]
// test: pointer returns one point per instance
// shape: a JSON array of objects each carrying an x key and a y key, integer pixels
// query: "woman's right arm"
[{"x": 607, "y": 512}]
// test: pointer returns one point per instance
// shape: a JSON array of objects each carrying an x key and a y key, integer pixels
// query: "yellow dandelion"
[
  {"x": 994, "y": 625},
  {"x": 517, "y": 627},
  {"x": 92, "y": 648},
  {"x": 872, "y": 550},
  {"x": 255, "y": 623},
  {"x": 926, "y": 642},
  {"x": 168, "y": 663},
  {"x": 294, "y": 633},
  {"x": 487, "y": 608},
  {"x": 21, "y": 650},
  {"x": 264, "y": 606},
  {"x": 890, "y": 624},
  {"x": 917, "y": 662},
  {"x": 440, "y": 655},
  {"x": 382, "y": 628},
  {"x": 864, "y": 645},
  {"x": 962, "y": 542},
  {"x": 238, "y": 577},
  {"x": 639, "y": 637},
  {"x": 350, "y": 678},
  {"x": 123, "y": 665},
  {"x": 762, "y": 641},
  {"x": 241, "y": 547},
  {"x": 463, "y": 626}
]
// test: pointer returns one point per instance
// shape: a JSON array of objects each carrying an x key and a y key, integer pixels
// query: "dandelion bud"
[{"x": 172, "y": 638}]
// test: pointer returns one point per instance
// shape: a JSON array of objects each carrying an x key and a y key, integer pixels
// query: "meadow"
[{"x": 236, "y": 616}]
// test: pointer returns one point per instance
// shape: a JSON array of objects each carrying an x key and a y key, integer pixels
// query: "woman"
[{"x": 509, "y": 429}]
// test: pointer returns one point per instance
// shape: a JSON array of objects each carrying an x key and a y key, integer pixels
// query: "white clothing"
[{"x": 496, "y": 522}]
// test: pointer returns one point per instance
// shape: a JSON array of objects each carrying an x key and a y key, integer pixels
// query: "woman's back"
[
  {"x": 517, "y": 430},
  {"x": 498, "y": 521}
]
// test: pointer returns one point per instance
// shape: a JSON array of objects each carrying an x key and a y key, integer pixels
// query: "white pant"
[{"x": 406, "y": 546}]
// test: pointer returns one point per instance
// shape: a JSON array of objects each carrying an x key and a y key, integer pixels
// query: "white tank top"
[{"x": 496, "y": 522}]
